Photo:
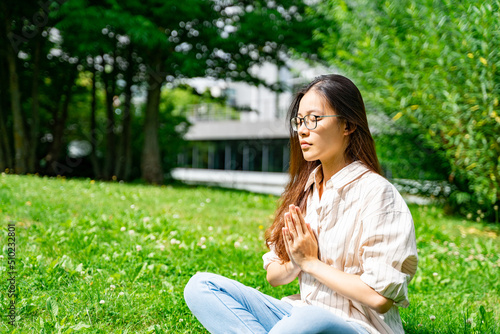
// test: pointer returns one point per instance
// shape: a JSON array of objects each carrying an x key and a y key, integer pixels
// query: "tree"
[
  {"x": 10, "y": 50},
  {"x": 69, "y": 62},
  {"x": 196, "y": 38},
  {"x": 433, "y": 67}
]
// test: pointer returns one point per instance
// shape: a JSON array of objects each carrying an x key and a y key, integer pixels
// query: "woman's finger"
[
  {"x": 287, "y": 239},
  {"x": 286, "y": 233},
  {"x": 294, "y": 217},
  {"x": 309, "y": 228},
  {"x": 290, "y": 225},
  {"x": 301, "y": 220}
]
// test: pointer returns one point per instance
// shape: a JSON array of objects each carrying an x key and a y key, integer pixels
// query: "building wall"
[{"x": 263, "y": 155}]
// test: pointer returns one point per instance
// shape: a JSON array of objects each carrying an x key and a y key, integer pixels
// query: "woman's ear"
[{"x": 349, "y": 128}]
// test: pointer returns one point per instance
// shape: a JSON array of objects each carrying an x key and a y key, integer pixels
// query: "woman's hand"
[{"x": 300, "y": 241}]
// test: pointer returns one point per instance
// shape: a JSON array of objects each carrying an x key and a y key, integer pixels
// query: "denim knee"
[{"x": 194, "y": 287}]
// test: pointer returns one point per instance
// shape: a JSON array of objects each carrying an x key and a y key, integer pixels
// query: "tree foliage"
[
  {"x": 433, "y": 67},
  {"x": 72, "y": 62}
]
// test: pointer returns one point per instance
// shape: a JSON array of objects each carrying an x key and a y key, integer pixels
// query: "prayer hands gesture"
[{"x": 300, "y": 241}]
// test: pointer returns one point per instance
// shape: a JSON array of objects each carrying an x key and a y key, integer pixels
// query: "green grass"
[{"x": 71, "y": 249}]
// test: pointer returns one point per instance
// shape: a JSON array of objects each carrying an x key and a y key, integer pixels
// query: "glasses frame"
[{"x": 302, "y": 120}]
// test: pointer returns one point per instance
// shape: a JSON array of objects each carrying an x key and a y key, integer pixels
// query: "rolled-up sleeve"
[
  {"x": 270, "y": 257},
  {"x": 388, "y": 254}
]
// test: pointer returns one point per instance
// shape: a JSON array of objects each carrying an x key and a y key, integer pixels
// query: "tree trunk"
[
  {"x": 5, "y": 144},
  {"x": 3, "y": 164},
  {"x": 3, "y": 161},
  {"x": 109, "y": 159},
  {"x": 93, "y": 131},
  {"x": 124, "y": 160},
  {"x": 53, "y": 166},
  {"x": 151, "y": 160},
  {"x": 15, "y": 96},
  {"x": 35, "y": 121}
]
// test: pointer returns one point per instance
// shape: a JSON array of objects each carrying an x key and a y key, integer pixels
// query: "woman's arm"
[
  {"x": 281, "y": 274},
  {"x": 302, "y": 247},
  {"x": 348, "y": 285}
]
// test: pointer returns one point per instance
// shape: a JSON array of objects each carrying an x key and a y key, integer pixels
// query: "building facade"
[{"x": 251, "y": 152}]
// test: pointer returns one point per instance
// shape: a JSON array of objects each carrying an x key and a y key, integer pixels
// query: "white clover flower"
[
  {"x": 210, "y": 228},
  {"x": 102, "y": 302},
  {"x": 469, "y": 321},
  {"x": 146, "y": 219},
  {"x": 162, "y": 248},
  {"x": 152, "y": 237},
  {"x": 432, "y": 317},
  {"x": 203, "y": 239},
  {"x": 106, "y": 258},
  {"x": 121, "y": 293},
  {"x": 123, "y": 229},
  {"x": 236, "y": 244},
  {"x": 234, "y": 274},
  {"x": 435, "y": 274},
  {"x": 208, "y": 200},
  {"x": 128, "y": 254},
  {"x": 173, "y": 241},
  {"x": 131, "y": 232},
  {"x": 132, "y": 206},
  {"x": 175, "y": 216},
  {"x": 1, "y": 257},
  {"x": 203, "y": 246},
  {"x": 112, "y": 287},
  {"x": 211, "y": 238},
  {"x": 202, "y": 204},
  {"x": 138, "y": 248},
  {"x": 181, "y": 320}
]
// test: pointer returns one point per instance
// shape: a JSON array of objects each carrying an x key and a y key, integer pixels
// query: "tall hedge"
[{"x": 433, "y": 67}]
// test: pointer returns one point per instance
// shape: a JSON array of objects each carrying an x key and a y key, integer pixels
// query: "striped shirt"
[{"x": 363, "y": 227}]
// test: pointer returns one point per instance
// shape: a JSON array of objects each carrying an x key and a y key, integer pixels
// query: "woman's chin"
[{"x": 308, "y": 156}]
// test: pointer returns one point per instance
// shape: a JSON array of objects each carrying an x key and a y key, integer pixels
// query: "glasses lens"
[
  {"x": 310, "y": 121},
  {"x": 294, "y": 122}
]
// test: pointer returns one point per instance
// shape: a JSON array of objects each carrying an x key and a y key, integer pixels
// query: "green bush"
[{"x": 433, "y": 67}]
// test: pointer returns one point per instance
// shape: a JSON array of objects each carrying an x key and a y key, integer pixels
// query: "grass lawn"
[{"x": 96, "y": 257}]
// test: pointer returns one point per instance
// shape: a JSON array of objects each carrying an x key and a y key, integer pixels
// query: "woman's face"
[{"x": 327, "y": 142}]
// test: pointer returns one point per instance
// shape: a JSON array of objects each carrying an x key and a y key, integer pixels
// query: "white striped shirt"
[{"x": 365, "y": 228}]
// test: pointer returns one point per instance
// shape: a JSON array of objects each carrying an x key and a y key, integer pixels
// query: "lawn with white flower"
[{"x": 96, "y": 257}]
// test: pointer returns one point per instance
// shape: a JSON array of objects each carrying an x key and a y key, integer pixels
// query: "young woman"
[{"x": 341, "y": 228}]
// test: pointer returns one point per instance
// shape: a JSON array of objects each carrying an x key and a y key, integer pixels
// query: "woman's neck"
[{"x": 331, "y": 167}]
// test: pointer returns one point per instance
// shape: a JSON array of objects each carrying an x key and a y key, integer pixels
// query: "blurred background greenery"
[{"x": 70, "y": 69}]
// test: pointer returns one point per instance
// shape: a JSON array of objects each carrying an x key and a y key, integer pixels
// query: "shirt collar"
[
  {"x": 315, "y": 177},
  {"x": 340, "y": 179}
]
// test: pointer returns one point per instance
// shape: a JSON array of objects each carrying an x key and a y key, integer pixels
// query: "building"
[{"x": 250, "y": 152}]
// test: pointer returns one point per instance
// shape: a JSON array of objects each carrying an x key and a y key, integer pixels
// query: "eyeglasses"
[{"x": 311, "y": 121}]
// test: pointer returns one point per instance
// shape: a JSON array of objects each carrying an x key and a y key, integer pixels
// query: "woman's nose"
[{"x": 302, "y": 130}]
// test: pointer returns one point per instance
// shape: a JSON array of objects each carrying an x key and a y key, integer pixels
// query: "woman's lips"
[{"x": 304, "y": 144}]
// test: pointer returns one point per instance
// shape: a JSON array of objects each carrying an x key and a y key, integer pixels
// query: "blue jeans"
[{"x": 223, "y": 305}]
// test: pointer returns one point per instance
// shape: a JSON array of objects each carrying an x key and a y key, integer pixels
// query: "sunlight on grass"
[{"x": 108, "y": 257}]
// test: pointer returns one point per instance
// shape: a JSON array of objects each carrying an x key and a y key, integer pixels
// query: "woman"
[{"x": 341, "y": 228}]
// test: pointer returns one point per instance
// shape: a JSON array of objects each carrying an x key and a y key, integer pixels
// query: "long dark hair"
[{"x": 345, "y": 99}]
